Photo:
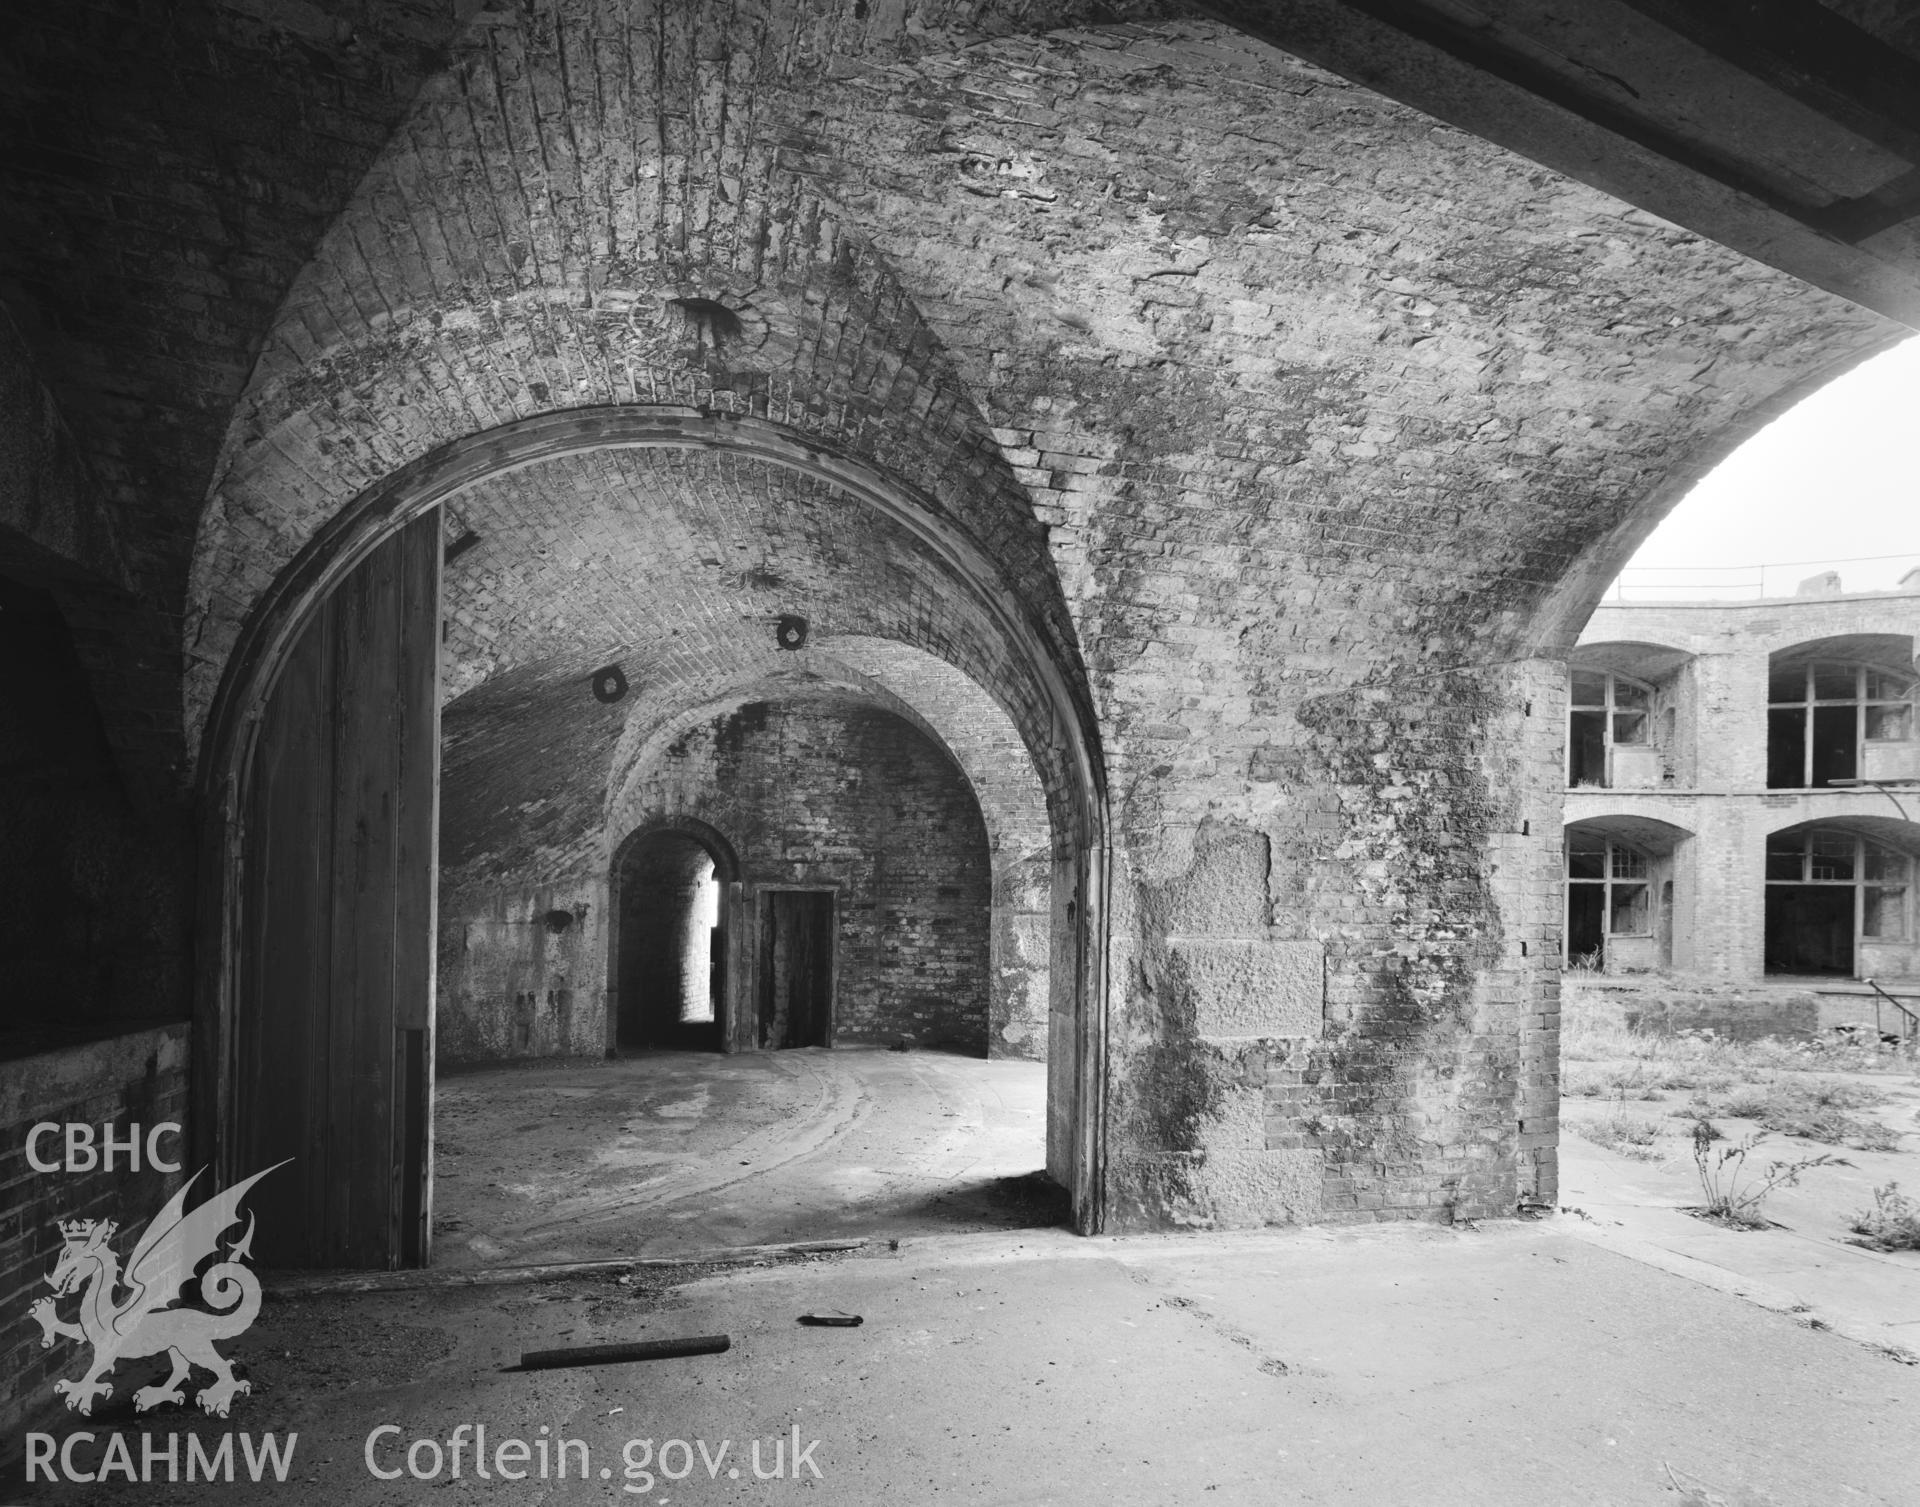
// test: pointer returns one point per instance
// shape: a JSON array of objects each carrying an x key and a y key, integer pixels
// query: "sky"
[{"x": 1832, "y": 481}]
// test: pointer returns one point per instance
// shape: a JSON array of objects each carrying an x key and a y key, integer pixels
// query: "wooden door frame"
[{"x": 1082, "y": 823}]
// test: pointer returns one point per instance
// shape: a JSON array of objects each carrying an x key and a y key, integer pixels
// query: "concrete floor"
[
  {"x": 1514, "y": 1364},
  {"x": 1806, "y": 1263},
  {"x": 666, "y": 1152},
  {"x": 1392, "y": 1366}
]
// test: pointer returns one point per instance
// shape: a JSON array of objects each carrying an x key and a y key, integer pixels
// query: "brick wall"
[
  {"x": 1668, "y": 1005},
  {"x": 808, "y": 792},
  {"x": 126, "y": 1080},
  {"x": 94, "y": 890},
  {"x": 822, "y": 793}
]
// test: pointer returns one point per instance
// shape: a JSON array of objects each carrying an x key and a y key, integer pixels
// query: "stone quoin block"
[{"x": 1249, "y": 987}]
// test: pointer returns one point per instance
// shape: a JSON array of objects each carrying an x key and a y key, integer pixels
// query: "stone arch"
[{"x": 1559, "y": 616}]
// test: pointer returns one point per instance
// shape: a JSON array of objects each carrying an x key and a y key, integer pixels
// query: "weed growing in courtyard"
[
  {"x": 1814, "y": 1109},
  {"x": 1892, "y": 1224},
  {"x": 1733, "y": 1194},
  {"x": 1612, "y": 1081},
  {"x": 1630, "y": 1135}
]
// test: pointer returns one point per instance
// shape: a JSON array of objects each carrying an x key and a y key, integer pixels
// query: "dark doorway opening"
[
  {"x": 1836, "y": 744},
  {"x": 672, "y": 964},
  {"x": 1586, "y": 749},
  {"x": 796, "y": 968},
  {"x": 1587, "y": 925},
  {"x": 1810, "y": 929},
  {"x": 1786, "y": 748}
]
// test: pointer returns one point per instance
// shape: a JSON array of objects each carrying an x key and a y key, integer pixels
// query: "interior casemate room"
[{"x": 627, "y": 626}]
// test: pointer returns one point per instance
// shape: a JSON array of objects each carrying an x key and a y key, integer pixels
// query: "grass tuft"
[
  {"x": 1892, "y": 1224},
  {"x": 1629, "y": 1135}
]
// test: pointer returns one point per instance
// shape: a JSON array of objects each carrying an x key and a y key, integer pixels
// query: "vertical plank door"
[{"x": 333, "y": 1022}]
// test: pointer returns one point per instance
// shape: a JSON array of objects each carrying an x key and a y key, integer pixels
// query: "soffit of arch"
[
  {"x": 525, "y": 760},
  {"x": 1893, "y": 651},
  {"x": 1646, "y": 833},
  {"x": 1304, "y": 326},
  {"x": 1889, "y": 831},
  {"x": 1643, "y": 661},
  {"x": 1228, "y": 311},
  {"x": 925, "y": 691},
  {"x": 1008, "y": 779}
]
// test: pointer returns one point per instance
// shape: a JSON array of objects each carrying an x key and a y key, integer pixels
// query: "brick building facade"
[{"x": 1743, "y": 792}]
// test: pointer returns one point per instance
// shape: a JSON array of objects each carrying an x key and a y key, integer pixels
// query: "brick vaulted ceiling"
[
  {"x": 675, "y": 565},
  {"x": 1201, "y": 343}
]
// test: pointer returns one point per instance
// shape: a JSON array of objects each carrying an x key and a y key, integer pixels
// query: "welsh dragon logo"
[{"x": 146, "y": 1321}]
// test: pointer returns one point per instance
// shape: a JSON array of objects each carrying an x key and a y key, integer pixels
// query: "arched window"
[
  {"x": 1821, "y": 713},
  {"x": 1607, "y": 895},
  {"x": 1606, "y": 710},
  {"x": 1826, "y": 889}
]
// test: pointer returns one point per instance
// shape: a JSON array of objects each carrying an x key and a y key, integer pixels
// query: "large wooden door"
[{"x": 333, "y": 1021}]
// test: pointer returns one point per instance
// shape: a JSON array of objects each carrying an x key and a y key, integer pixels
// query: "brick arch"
[
  {"x": 652, "y": 260},
  {"x": 1062, "y": 739},
  {"x": 1335, "y": 416},
  {"x": 840, "y": 786},
  {"x": 445, "y": 473},
  {"x": 958, "y": 717},
  {"x": 943, "y": 702},
  {"x": 726, "y": 869},
  {"x": 726, "y": 861}
]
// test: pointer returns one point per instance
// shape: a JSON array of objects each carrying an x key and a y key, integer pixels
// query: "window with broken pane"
[
  {"x": 1830, "y": 863},
  {"x": 1627, "y": 911},
  {"x": 1606, "y": 710},
  {"x": 1830, "y": 858},
  {"x": 1820, "y": 713},
  {"x": 1613, "y": 876}
]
